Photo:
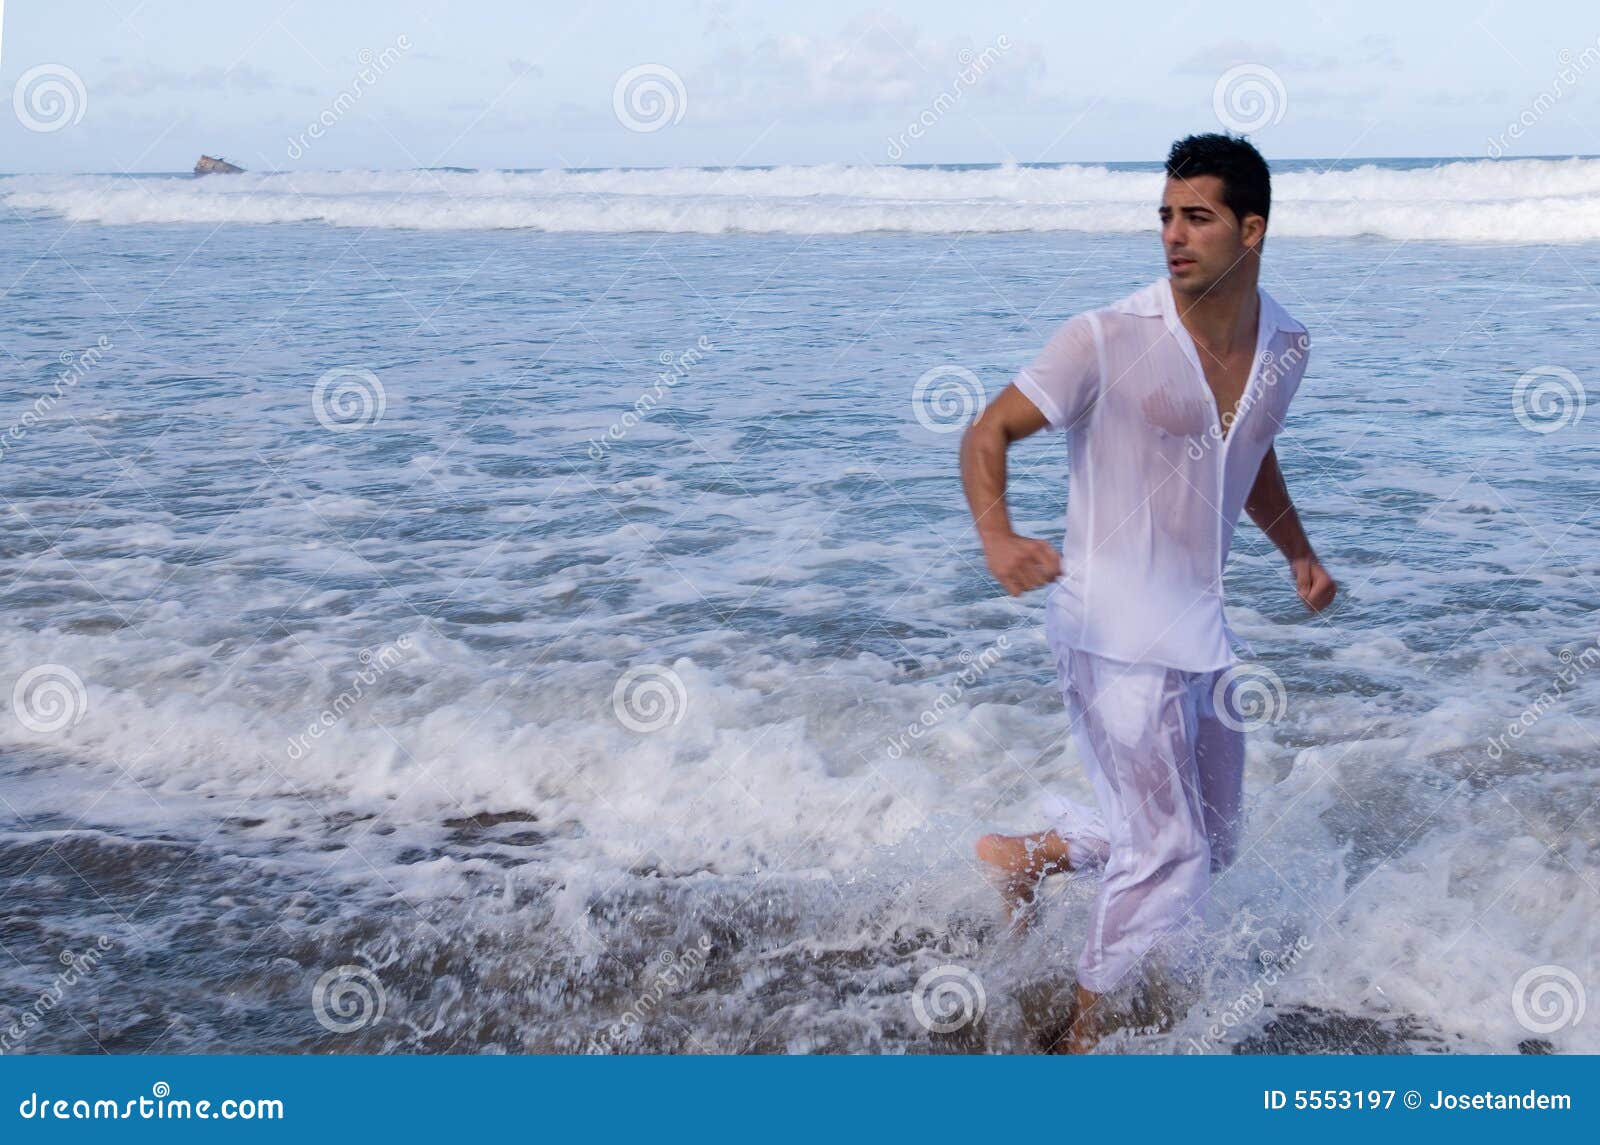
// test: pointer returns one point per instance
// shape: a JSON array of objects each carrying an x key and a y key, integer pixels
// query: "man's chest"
[{"x": 1226, "y": 376}]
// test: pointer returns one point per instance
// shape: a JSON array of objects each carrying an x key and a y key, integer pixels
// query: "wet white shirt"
[{"x": 1154, "y": 486}]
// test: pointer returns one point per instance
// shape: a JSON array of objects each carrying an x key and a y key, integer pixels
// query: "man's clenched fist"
[{"x": 1021, "y": 563}]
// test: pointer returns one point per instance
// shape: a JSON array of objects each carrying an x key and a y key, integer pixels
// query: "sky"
[{"x": 147, "y": 85}]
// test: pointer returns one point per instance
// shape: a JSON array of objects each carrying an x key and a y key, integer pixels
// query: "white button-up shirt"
[{"x": 1154, "y": 486}]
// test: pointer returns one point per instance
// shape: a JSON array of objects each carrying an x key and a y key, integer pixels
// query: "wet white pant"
[{"x": 1168, "y": 774}]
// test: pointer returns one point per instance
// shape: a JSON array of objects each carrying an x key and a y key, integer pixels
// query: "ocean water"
[{"x": 515, "y": 611}]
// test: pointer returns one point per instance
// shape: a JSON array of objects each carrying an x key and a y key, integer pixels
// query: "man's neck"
[{"x": 1225, "y": 319}]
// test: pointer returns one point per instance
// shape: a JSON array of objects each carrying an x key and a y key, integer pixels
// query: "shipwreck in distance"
[{"x": 209, "y": 165}]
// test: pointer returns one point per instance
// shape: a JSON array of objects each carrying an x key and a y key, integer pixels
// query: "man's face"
[{"x": 1204, "y": 241}]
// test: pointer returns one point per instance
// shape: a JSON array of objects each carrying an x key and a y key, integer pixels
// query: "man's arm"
[
  {"x": 1018, "y": 563},
  {"x": 1273, "y": 512}
]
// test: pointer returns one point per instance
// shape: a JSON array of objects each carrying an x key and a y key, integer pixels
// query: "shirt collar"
[{"x": 1156, "y": 301}]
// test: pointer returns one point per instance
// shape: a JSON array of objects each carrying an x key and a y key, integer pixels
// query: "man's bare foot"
[
  {"x": 1088, "y": 1024},
  {"x": 1016, "y": 865},
  {"x": 1085, "y": 1024}
]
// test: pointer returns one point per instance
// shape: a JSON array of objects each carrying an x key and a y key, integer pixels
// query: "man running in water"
[{"x": 1170, "y": 399}]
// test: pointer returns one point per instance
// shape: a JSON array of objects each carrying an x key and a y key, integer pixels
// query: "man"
[{"x": 1170, "y": 400}]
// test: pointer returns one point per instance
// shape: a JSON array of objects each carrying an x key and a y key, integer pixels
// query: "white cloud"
[{"x": 878, "y": 62}]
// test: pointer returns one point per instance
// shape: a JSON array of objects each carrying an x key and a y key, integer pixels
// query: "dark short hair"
[{"x": 1246, "y": 182}]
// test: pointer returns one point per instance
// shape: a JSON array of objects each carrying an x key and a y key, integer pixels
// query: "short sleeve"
[{"x": 1064, "y": 379}]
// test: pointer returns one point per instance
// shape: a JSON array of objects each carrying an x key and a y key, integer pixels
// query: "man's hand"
[
  {"x": 1313, "y": 583},
  {"x": 1021, "y": 563}
]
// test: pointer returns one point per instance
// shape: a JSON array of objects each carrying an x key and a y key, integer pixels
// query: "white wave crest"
[{"x": 1506, "y": 201}]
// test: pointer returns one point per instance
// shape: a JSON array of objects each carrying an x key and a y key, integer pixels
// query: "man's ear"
[{"x": 1252, "y": 230}]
